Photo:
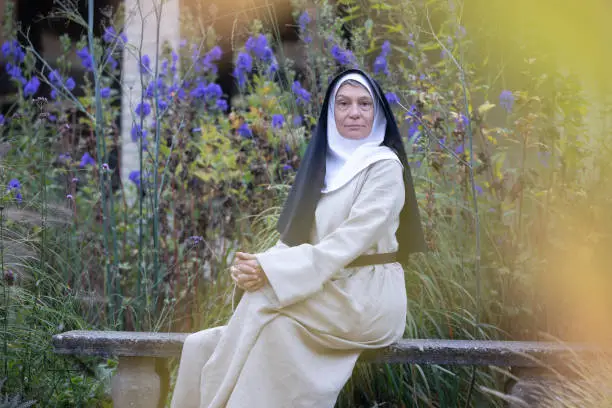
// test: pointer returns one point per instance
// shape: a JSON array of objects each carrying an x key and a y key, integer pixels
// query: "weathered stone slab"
[{"x": 421, "y": 351}]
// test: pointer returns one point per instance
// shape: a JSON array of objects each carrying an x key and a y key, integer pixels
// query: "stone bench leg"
[{"x": 136, "y": 383}]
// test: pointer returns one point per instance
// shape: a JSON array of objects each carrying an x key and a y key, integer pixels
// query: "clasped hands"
[{"x": 247, "y": 272}]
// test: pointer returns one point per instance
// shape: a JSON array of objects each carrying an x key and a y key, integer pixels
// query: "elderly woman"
[{"x": 333, "y": 285}]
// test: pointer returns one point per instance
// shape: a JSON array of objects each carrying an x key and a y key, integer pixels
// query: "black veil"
[{"x": 297, "y": 217}]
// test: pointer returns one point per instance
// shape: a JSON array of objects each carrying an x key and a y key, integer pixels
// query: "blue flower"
[
  {"x": 392, "y": 98},
  {"x": 143, "y": 109},
  {"x": 259, "y": 46},
  {"x": 506, "y": 100},
  {"x": 380, "y": 63},
  {"x": 478, "y": 189},
  {"x": 87, "y": 160},
  {"x": 134, "y": 177},
  {"x": 64, "y": 157},
  {"x": 145, "y": 64},
  {"x": 303, "y": 20},
  {"x": 15, "y": 72},
  {"x": 138, "y": 133},
  {"x": 110, "y": 35},
  {"x": 245, "y": 131},
  {"x": 6, "y": 49},
  {"x": 153, "y": 85},
  {"x": 162, "y": 104},
  {"x": 55, "y": 78},
  {"x": 411, "y": 40},
  {"x": 70, "y": 84},
  {"x": 221, "y": 104},
  {"x": 211, "y": 56},
  {"x": 460, "y": 149},
  {"x": 303, "y": 96},
  {"x": 297, "y": 121},
  {"x": 278, "y": 121},
  {"x": 287, "y": 167},
  {"x": 105, "y": 92},
  {"x": 2, "y": 119},
  {"x": 13, "y": 48},
  {"x": 343, "y": 57},
  {"x": 244, "y": 65},
  {"x": 14, "y": 184},
  {"x": 86, "y": 58},
  {"x": 31, "y": 87}
]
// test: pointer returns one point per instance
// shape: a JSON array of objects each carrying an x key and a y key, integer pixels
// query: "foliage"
[{"x": 505, "y": 178}]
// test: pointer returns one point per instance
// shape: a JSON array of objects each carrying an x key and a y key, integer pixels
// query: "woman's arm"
[{"x": 298, "y": 272}]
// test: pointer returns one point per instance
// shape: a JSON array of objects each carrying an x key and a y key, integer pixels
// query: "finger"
[
  {"x": 245, "y": 255},
  {"x": 246, "y": 269}
]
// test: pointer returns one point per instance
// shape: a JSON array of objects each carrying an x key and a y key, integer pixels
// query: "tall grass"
[{"x": 505, "y": 192}]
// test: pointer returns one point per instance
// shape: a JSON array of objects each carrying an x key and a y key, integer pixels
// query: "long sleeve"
[{"x": 298, "y": 272}]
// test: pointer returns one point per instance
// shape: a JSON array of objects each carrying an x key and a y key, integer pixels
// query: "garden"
[{"x": 508, "y": 146}]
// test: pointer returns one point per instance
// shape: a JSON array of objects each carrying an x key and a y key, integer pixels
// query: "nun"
[{"x": 333, "y": 286}]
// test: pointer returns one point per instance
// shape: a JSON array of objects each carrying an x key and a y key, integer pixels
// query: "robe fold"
[{"x": 295, "y": 342}]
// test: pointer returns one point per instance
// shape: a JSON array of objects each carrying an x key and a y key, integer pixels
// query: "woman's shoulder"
[{"x": 387, "y": 166}]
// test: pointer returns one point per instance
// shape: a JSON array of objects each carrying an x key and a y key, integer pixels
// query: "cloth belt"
[{"x": 373, "y": 259}]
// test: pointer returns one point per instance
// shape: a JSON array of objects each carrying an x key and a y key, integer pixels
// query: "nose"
[{"x": 354, "y": 111}]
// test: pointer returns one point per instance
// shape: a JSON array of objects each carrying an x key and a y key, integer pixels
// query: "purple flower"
[
  {"x": 211, "y": 56},
  {"x": 70, "y": 84},
  {"x": 143, "y": 109},
  {"x": 162, "y": 105},
  {"x": 31, "y": 87},
  {"x": 244, "y": 65},
  {"x": 6, "y": 49},
  {"x": 110, "y": 35},
  {"x": 221, "y": 104},
  {"x": 195, "y": 240},
  {"x": 86, "y": 58},
  {"x": 64, "y": 157},
  {"x": 506, "y": 100},
  {"x": 18, "y": 197},
  {"x": 302, "y": 95},
  {"x": 303, "y": 20},
  {"x": 392, "y": 98},
  {"x": 105, "y": 92},
  {"x": 13, "y": 48},
  {"x": 87, "y": 160},
  {"x": 380, "y": 65},
  {"x": 478, "y": 189},
  {"x": 75, "y": 179},
  {"x": 55, "y": 78},
  {"x": 386, "y": 48},
  {"x": 145, "y": 64},
  {"x": 343, "y": 57},
  {"x": 460, "y": 149},
  {"x": 2, "y": 119},
  {"x": 153, "y": 85},
  {"x": 411, "y": 40},
  {"x": 13, "y": 185},
  {"x": 259, "y": 47},
  {"x": 462, "y": 121},
  {"x": 287, "y": 167},
  {"x": 278, "y": 121},
  {"x": 245, "y": 131},
  {"x": 196, "y": 130},
  {"x": 134, "y": 177},
  {"x": 297, "y": 121},
  {"x": 413, "y": 130},
  {"x": 69, "y": 197},
  {"x": 15, "y": 72},
  {"x": 138, "y": 133}
]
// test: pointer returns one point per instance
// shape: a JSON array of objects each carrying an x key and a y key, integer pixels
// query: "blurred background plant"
[{"x": 509, "y": 167}]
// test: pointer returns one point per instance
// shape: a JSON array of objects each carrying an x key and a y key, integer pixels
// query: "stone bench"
[{"x": 139, "y": 381}]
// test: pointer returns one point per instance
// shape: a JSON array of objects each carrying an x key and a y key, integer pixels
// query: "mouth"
[{"x": 353, "y": 127}]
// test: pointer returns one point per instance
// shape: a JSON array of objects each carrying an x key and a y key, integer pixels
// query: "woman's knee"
[{"x": 203, "y": 339}]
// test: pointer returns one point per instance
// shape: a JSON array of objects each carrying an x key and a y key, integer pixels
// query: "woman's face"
[{"x": 353, "y": 111}]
